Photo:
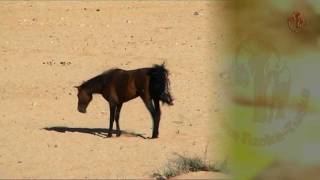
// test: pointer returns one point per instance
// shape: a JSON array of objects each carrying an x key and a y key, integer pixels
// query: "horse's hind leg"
[
  {"x": 117, "y": 116},
  {"x": 112, "y": 111}
]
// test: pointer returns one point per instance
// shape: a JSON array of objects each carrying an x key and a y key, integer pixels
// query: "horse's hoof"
[
  {"x": 118, "y": 134},
  {"x": 154, "y": 135},
  {"x": 109, "y": 136}
]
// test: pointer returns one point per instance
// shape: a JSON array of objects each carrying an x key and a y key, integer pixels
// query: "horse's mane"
[{"x": 98, "y": 80}]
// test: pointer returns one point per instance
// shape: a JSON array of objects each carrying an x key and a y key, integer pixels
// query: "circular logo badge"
[{"x": 261, "y": 96}]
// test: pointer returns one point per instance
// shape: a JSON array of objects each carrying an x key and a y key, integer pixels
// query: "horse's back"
[{"x": 127, "y": 84}]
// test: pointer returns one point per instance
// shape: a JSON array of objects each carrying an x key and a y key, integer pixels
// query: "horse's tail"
[{"x": 160, "y": 84}]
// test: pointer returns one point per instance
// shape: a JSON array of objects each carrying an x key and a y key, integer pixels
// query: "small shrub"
[{"x": 182, "y": 164}]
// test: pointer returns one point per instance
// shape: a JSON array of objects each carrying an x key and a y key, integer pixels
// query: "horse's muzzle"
[
  {"x": 166, "y": 98},
  {"x": 82, "y": 109}
]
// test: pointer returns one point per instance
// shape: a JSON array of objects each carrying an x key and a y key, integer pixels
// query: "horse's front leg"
[
  {"x": 117, "y": 116},
  {"x": 150, "y": 107},
  {"x": 158, "y": 115},
  {"x": 112, "y": 111}
]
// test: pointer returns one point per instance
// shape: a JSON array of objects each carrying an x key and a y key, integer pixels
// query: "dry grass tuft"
[{"x": 182, "y": 164}]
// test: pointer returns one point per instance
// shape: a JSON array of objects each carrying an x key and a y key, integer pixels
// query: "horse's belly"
[
  {"x": 131, "y": 92},
  {"x": 130, "y": 98}
]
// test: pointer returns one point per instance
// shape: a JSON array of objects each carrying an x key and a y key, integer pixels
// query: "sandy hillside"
[{"x": 48, "y": 47}]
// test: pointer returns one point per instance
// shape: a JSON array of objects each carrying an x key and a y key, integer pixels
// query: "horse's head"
[
  {"x": 160, "y": 83},
  {"x": 166, "y": 98},
  {"x": 84, "y": 98}
]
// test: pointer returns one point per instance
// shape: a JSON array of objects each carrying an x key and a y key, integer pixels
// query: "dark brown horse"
[{"x": 118, "y": 86}]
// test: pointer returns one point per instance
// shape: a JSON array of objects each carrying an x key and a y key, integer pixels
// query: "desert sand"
[
  {"x": 49, "y": 47},
  {"x": 202, "y": 175}
]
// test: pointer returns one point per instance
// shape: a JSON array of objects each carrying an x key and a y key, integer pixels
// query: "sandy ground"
[
  {"x": 48, "y": 47},
  {"x": 202, "y": 175}
]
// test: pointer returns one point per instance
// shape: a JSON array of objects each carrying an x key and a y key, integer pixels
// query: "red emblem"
[{"x": 296, "y": 21}]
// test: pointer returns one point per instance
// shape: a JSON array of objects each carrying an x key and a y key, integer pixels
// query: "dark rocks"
[
  {"x": 196, "y": 13},
  {"x": 62, "y": 63}
]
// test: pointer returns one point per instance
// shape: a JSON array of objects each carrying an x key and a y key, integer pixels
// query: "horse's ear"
[{"x": 164, "y": 64}]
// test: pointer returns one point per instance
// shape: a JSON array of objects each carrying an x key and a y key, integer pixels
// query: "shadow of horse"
[{"x": 101, "y": 132}]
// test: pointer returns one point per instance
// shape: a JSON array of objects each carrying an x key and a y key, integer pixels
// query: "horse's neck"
[{"x": 94, "y": 90}]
